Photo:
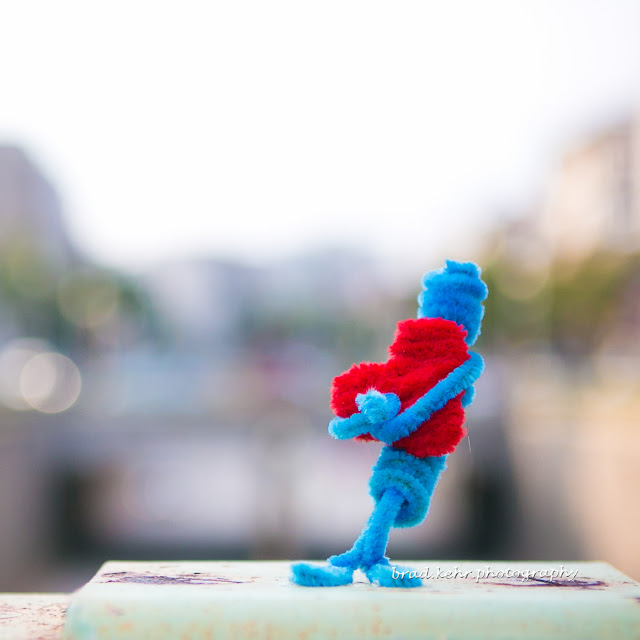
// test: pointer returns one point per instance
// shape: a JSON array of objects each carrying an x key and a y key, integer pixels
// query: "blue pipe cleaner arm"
[{"x": 379, "y": 412}]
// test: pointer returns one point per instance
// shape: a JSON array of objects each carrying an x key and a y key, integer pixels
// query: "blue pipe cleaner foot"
[
  {"x": 309, "y": 575},
  {"x": 349, "y": 558},
  {"x": 385, "y": 575}
]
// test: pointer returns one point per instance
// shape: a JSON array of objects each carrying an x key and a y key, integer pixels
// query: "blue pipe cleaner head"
[{"x": 455, "y": 292}]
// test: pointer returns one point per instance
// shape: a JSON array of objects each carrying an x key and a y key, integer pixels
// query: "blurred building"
[
  {"x": 594, "y": 197},
  {"x": 35, "y": 248},
  {"x": 591, "y": 203},
  {"x": 30, "y": 208}
]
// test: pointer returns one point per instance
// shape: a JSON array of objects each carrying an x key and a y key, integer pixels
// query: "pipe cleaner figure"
[{"x": 414, "y": 403}]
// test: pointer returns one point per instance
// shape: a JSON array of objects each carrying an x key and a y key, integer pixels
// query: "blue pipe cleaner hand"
[
  {"x": 351, "y": 427},
  {"x": 376, "y": 409}
]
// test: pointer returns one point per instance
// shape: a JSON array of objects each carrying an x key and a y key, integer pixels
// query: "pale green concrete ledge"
[
  {"x": 205, "y": 600},
  {"x": 193, "y": 600}
]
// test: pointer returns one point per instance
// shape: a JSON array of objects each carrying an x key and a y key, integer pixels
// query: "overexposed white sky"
[{"x": 259, "y": 129}]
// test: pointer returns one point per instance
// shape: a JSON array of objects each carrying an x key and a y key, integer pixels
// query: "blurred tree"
[
  {"x": 569, "y": 306},
  {"x": 77, "y": 306},
  {"x": 28, "y": 290}
]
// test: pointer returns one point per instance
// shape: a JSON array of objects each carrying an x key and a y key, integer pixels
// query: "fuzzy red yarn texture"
[{"x": 424, "y": 351}]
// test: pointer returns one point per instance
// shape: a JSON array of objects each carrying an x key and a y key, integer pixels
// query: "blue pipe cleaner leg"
[
  {"x": 376, "y": 536},
  {"x": 415, "y": 479},
  {"x": 367, "y": 551},
  {"x": 370, "y": 546},
  {"x": 402, "y": 486},
  {"x": 372, "y": 559}
]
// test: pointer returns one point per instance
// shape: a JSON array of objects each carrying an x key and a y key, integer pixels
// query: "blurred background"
[{"x": 209, "y": 210}]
